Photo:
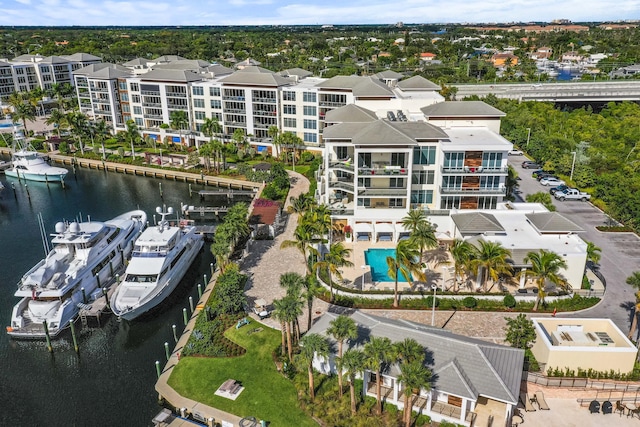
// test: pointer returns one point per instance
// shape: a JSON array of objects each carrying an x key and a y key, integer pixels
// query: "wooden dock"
[
  {"x": 228, "y": 193},
  {"x": 98, "y": 309},
  {"x": 204, "y": 210}
]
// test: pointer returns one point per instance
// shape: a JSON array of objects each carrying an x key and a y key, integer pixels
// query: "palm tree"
[
  {"x": 279, "y": 313},
  {"x": 210, "y": 128},
  {"x": 303, "y": 238},
  {"x": 312, "y": 345},
  {"x": 378, "y": 354},
  {"x": 179, "y": 120},
  {"x": 413, "y": 376},
  {"x": 634, "y": 281},
  {"x": 24, "y": 112},
  {"x": 462, "y": 253},
  {"x": 352, "y": 363},
  {"x": 593, "y": 253},
  {"x": 545, "y": 266},
  {"x": 424, "y": 236},
  {"x": 101, "y": 130},
  {"x": 79, "y": 124},
  {"x": 58, "y": 119},
  {"x": 409, "y": 350},
  {"x": 300, "y": 204},
  {"x": 406, "y": 262},
  {"x": 333, "y": 261},
  {"x": 133, "y": 135},
  {"x": 414, "y": 218},
  {"x": 274, "y": 134},
  {"x": 491, "y": 259},
  {"x": 287, "y": 310},
  {"x": 311, "y": 289},
  {"x": 511, "y": 183},
  {"x": 341, "y": 329},
  {"x": 293, "y": 283}
]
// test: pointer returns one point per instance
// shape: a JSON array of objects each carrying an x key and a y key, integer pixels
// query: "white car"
[
  {"x": 515, "y": 152},
  {"x": 551, "y": 181}
]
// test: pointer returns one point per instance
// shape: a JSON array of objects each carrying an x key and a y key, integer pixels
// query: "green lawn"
[{"x": 267, "y": 395}]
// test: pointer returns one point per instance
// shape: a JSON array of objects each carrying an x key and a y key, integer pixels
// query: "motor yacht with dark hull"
[
  {"x": 161, "y": 257},
  {"x": 84, "y": 259}
]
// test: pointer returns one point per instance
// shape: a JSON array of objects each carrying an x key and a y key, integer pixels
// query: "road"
[{"x": 620, "y": 251}]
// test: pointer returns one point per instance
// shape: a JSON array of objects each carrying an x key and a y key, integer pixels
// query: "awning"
[
  {"x": 385, "y": 227},
  {"x": 363, "y": 227},
  {"x": 443, "y": 236}
]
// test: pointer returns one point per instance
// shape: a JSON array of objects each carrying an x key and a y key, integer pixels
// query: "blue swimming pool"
[
  {"x": 6, "y": 125},
  {"x": 377, "y": 260}
]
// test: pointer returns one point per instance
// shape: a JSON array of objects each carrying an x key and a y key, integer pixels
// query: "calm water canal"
[{"x": 111, "y": 382}]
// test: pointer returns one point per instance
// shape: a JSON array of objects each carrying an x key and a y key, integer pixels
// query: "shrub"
[
  {"x": 470, "y": 302},
  {"x": 509, "y": 301}
]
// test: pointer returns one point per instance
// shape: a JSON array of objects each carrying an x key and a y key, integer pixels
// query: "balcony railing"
[
  {"x": 341, "y": 185},
  {"x": 342, "y": 165},
  {"x": 152, "y": 104},
  {"x": 384, "y": 171},
  {"x": 466, "y": 170},
  {"x": 233, "y": 98},
  {"x": 265, "y": 113},
  {"x": 177, "y": 94},
  {"x": 340, "y": 211},
  {"x": 265, "y": 100},
  {"x": 150, "y": 92},
  {"x": 332, "y": 104},
  {"x": 383, "y": 192},
  {"x": 473, "y": 190}
]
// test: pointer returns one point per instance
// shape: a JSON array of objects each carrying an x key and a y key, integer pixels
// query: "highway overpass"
[{"x": 598, "y": 91}]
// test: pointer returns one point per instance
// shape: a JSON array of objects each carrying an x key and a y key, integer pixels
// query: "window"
[
  {"x": 450, "y": 202},
  {"x": 200, "y": 115},
  {"x": 342, "y": 153},
  {"x": 137, "y": 109},
  {"x": 135, "y": 87},
  {"x": 216, "y": 103},
  {"x": 452, "y": 182},
  {"x": 289, "y": 122},
  {"x": 396, "y": 203},
  {"x": 364, "y": 202},
  {"x": 309, "y": 96},
  {"x": 422, "y": 196},
  {"x": 126, "y": 108},
  {"x": 289, "y": 109},
  {"x": 310, "y": 124},
  {"x": 309, "y": 110},
  {"x": 310, "y": 137},
  {"x": 364, "y": 182},
  {"x": 122, "y": 85},
  {"x": 492, "y": 160},
  {"x": 288, "y": 96},
  {"x": 197, "y": 90},
  {"x": 423, "y": 177},
  {"x": 453, "y": 160},
  {"x": 396, "y": 182},
  {"x": 424, "y": 155},
  {"x": 214, "y": 91},
  {"x": 489, "y": 182},
  {"x": 487, "y": 202},
  {"x": 397, "y": 159},
  {"x": 198, "y": 103},
  {"x": 139, "y": 122},
  {"x": 124, "y": 97},
  {"x": 135, "y": 98}
]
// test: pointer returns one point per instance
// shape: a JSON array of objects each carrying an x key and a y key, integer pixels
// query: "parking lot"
[{"x": 620, "y": 251}]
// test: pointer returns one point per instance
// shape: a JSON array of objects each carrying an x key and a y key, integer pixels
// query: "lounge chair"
[
  {"x": 594, "y": 407},
  {"x": 524, "y": 398},
  {"x": 607, "y": 407},
  {"x": 542, "y": 404}
]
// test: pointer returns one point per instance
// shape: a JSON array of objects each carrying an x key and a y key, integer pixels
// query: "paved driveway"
[{"x": 620, "y": 251}]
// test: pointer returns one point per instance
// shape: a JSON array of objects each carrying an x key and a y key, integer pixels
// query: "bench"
[{"x": 228, "y": 385}]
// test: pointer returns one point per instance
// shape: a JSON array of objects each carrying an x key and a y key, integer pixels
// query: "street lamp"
[
  {"x": 528, "y": 136},
  {"x": 573, "y": 165},
  {"x": 433, "y": 308}
]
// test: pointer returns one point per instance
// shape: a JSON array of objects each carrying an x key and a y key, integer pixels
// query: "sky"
[{"x": 291, "y": 12}]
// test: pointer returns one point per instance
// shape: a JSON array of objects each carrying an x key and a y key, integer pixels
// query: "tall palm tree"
[
  {"x": 300, "y": 204},
  {"x": 413, "y": 219},
  {"x": 341, "y": 329},
  {"x": 406, "y": 261},
  {"x": 288, "y": 309},
  {"x": 462, "y": 253},
  {"x": 133, "y": 135},
  {"x": 79, "y": 124},
  {"x": 333, "y": 261},
  {"x": 24, "y": 113},
  {"x": 280, "y": 314},
  {"x": 320, "y": 217},
  {"x": 352, "y": 363},
  {"x": 312, "y": 345},
  {"x": 414, "y": 376},
  {"x": 409, "y": 350},
  {"x": 102, "y": 130},
  {"x": 424, "y": 236},
  {"x": 378, "y": 354},
  {"x": 210, "y": 128},
  {"x": 293, "y": 283},
  {"x": 511, "y": 183},
  {"x": 58, "y": 119},
  {"x": 179, "y": 120},
  {"x": 491, "y": 260},
  {"x": 545, "y": 267},
  {"x": 594, "y": 253},
  {"x": 634, "y": 281},
  {"x": 311, "y": 290},
  {"x": 274, "y": 134},
  {"x": 303, "y": 238}
]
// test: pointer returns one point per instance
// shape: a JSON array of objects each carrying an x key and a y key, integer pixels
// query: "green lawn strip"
[{"x": 267, "y": 395}]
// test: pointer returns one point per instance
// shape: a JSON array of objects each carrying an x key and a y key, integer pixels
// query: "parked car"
[
  {"x": 528, "y": 164},
  {"x": 551, "y": 181},
  {"x": 515, "y": 152},
  {"x": 391, "y": 116},
  {"x": 539, "y": 174},
  {"x": 572, "y": 194},
  {"x": 559, "y": 188}
]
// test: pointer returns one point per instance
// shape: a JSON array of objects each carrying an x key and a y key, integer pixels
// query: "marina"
[{"x": 127, "y": 398}]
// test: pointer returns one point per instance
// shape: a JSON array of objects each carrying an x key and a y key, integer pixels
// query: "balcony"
[
  {"x": 384, "y": 171},
  {"x": 474, "y": 191},
  {"x": 265, "y": 100},
  {"x": 398, "y": 193},
  {"x": 152, "y": 104},
  {"x": 265, "y": 113},
  {"x": 471, "y": 170},
  {"x": 235, "y": 111},
  {"x": 332, "y": 104},
  {"x": 342, "y": 185},
  {"x": 176, "y": 94},
  {"x": 150, "y": 92},
  {"x": 233, "y": 98},
  {"x": 348, "y": 166}
]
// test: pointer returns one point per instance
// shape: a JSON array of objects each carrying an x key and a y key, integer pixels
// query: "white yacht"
[
  {"x": 84, "y": 259},
  {"x": 161, "y": 257},
  {"x": 26, "y": 163}
]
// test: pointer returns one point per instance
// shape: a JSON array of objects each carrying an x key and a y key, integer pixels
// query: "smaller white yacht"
[
  {"x": 84, "y": 259},
  {"x": 161, "y": 257},
  {"x": 27, "y": 163}
]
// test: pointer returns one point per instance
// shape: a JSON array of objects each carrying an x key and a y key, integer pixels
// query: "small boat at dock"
[{"x": 28, "y": 164}]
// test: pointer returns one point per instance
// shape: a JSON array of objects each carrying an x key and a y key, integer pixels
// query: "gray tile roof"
[
  {"x": 350, "y": 113},
  {"x": 552, "y": 222},
  {"x": 219, "y": 70},
  {"x": 82, "y": 57},
  {"x": 167, "y": 58},
  {"x": 461, "y": 108},
  {"x": 110, "y": 73},
  {"x": 89, "y": 70},
  {"x": 362, "y": 87},
  {"x": 249, "y": 62},
  {"x": 389, "y": 74},
  {"x": 54, "y": 60},
  {"x": 26, "y": 57},
  {"x": 301, "y": 73},
  {"x": 180, "y": 76},
  {"x": 476, "y": 223},
  {"x": 259, "y": 76},
  {"x": 417, "y": 83},
  {"x": 186, "y": 64},
  {"x": 136, "y": 62},
  {"x": 384, "y": 132},
  {"x": 462, "y": 366}
]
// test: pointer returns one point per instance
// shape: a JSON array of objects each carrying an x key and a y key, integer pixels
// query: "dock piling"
[
  {"x": 47, "y": 337},
  {"x": 166, "y": 350},
  {"x": 212, "y": 271},
  {"x": 73, "y": 336},
  {"x": 106, "y": 295},
  {"x": 185, "y": 316},
  {"x": 205, "y": 280},
  {"x": 190, "y": 192},
  {"x": 191, "y": 303},
  {"x": 84, "y": 296},
  {"x": 199, "y": 290},
  {"x": 158, "y": 371},
  {"x": 175, "y": 335},
  {"x": 160, "y": 187}
]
